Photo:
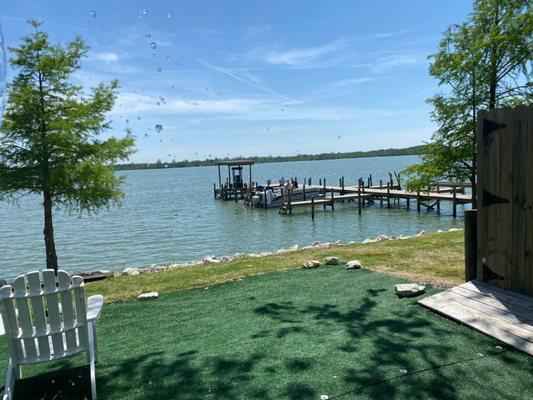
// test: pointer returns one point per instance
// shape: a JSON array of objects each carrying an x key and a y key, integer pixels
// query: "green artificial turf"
[{"x": 296, "y": 334}]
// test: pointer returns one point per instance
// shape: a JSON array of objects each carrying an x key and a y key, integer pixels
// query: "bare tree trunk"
[{"x": 51, "y": 256}]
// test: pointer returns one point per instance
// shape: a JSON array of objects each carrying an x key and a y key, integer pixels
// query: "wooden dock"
[
  {"x": 499, "y": 313},
  {"x": 366, "y": 193}
]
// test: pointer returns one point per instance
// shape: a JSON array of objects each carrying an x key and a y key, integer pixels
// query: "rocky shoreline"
[{"x": 211, "y": 259}]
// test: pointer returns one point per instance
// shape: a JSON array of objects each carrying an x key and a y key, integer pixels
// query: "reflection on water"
[{"x": 169, "y": 215}]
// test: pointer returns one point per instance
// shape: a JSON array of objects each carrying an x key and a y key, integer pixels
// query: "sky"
[{"x": 246, "y": 78}]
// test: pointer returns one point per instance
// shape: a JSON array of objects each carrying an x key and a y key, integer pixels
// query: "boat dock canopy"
[{"x": 235, "y": 162}]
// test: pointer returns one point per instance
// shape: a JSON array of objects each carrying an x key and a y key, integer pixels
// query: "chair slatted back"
[{"x": 44, "y": 318}]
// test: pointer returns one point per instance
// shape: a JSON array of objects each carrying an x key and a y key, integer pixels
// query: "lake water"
[{"x": 170, "y": 216}]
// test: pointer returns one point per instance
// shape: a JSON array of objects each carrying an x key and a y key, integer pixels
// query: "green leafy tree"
[
  {"x": 50, "y": 136},
  {"x": 484, "y": 62}
]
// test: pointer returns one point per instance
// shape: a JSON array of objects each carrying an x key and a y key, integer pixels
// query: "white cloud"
[
  {"x": 351, "y": 82},
  {"x": 106, "y": 56},
  {"x": 397, "y": 60},
  {"x": 300, "y": 56}
]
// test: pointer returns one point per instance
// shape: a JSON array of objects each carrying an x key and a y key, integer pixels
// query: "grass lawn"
[
  {"x": 435, "y": 258},
  {"x": 294, "y": 334}
]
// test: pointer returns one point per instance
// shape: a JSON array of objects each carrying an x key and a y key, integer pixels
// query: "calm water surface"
[{"x": 170, "y": 216}]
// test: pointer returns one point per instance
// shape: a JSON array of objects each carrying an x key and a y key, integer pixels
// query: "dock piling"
[
  {"x": 418, "y": 200},
  {"x": 454, "y": 201},
  {"x": 312, "y": 208},
  {"x": 388, "y": 194}
]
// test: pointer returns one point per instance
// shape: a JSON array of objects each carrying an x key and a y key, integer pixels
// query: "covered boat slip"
[
  {"x": 502, "y": 314},
  {"x": 234, "y": 187}
]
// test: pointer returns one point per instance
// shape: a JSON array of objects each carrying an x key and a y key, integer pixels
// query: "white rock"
[
  {"x": 311, "y": 264},
  {"x": 331, "y": 260},
  {"x": 392, "y": 237},
  {"x": 381, "y": 238},
  {"x": 440, "y": 231},
  {"x": 409, "y": 289},
  {"x": 454, "y": 230},
  {"x": 368, "y": 241},
  {"x": 326, "y": 245},
  {"x": 402, "y": 237},
  {"x": 294, "y": 248},
  {"x": 265, "y": 253},
  {"x": 130, "y": 271},
  {"x": 315, "y": 244},
  {"x": 354, "y": 264},
  {"x": 352, "y": 242},
  {"x": 281, "y": 251},
  {"x": 238, "y": 255},
  {"x": 421, "y": 233},
  {"x": 337, "y": 243},
  {"x": 324, "y": 397},
  {"x": 148, "y": 296},
  {"x": 210, "y": 260}
]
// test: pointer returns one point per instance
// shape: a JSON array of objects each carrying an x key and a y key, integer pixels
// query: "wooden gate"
[{"x": 505, "y": 198}]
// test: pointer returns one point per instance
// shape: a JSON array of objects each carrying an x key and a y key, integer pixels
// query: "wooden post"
[
  {"x": 359, "y": 198},
  {"x": 388, "y": 194},
  {"x": 332, "y": 201},
  {"x": 310, "y": 181},
  {"x": 408, "y": 202},
  {"x": 303, "y": 188},
  {"x": 454, "y": 191},
  {"x": 312, "y": 208},
  {"x": 381, "y": 188},
  {"x": 215, "y": 190},
  {"x": 470, "y": 244},
  {"x": 265, "y": 197},
  {"x": 219, "y": 177},
  {"x": 391, "y": 180},
  {"x": 342, "y": 181},
  {"x": 438, "y": 201},
  {"x": 290, "y": 201},
  {"x": 250, "y": 170},
  {"x": 319, "y": 181},
  {"x": 371, "y": 183},
  {"x": 418, "y": 200}
]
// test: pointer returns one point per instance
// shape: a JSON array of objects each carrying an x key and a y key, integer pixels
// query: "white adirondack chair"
[{"x": 48, "y": 320}]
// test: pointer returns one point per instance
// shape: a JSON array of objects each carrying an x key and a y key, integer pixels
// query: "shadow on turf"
[{"x": 191, "y": 375}]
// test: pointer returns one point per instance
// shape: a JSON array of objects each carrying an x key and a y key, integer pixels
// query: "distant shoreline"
[{"x": 407, "y": 151}]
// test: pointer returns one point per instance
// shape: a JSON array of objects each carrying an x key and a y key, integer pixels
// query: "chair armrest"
[{"x": 94, "y": 306}]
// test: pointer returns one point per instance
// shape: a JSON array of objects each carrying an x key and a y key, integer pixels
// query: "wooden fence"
[{"x": 505, "y": 198}]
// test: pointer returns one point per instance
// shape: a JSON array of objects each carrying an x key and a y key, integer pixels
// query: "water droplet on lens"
[
  {"x": 158, "y": 69},
  {"x": 153, "y": 45},
  {"x": 93, "y": 14},
  {"x": 147, "y": 35},
  {"x": 403, "y": 371},
  {"x": 167, "y": 58},
  {"x": 169, "y": 14},
  {"x": 143, "y": 12},
  {"x": 159, "y": 127}
]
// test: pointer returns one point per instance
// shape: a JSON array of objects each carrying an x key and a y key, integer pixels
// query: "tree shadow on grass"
[{"x": 394, "y": 345}]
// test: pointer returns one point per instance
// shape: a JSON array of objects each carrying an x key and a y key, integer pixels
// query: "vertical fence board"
[
  {"x": 528, "y": 261},
  {"x": 505, "y": 231},
  {"x": 518, "y": 200},
  {"x": 483, "y": 173}
]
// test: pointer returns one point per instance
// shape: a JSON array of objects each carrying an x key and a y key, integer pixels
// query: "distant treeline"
[{"x": 271, "y": 159}]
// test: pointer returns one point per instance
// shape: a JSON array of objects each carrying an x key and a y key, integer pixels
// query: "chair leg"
[
  {"x": 95, "y": 339},
  {"x": 91, "y": 357},
  {"x": 10, "y": 381}
]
